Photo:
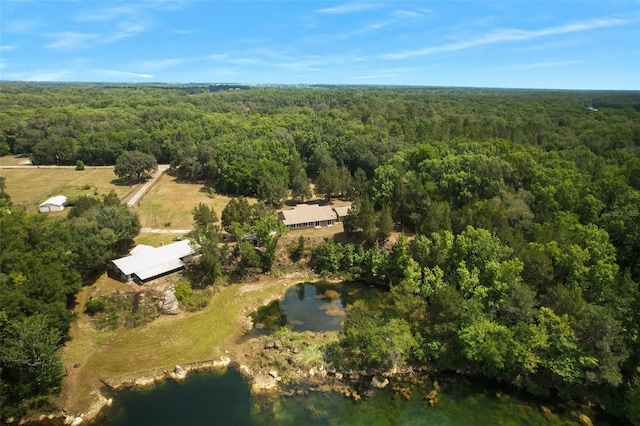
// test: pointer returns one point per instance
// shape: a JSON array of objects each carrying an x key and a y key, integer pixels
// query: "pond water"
[
  {"x": 314, "y": 307},
  {"x": 223, "y": 398}
]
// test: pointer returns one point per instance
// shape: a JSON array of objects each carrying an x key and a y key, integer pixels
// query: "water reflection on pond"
[
  {"x": 223, "y": 398},
  {"x": 316, "y": 307}
]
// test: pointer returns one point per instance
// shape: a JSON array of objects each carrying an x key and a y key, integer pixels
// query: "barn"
[
  {"x": 146, "y": 263},
  {"x": 53, "y": 204}
]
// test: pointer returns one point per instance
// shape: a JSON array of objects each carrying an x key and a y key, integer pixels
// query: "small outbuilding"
[{"x": 53, "y": 204}]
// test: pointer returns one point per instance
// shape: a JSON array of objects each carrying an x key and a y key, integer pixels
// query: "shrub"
[
  {"x": 79, "y": 165},
  {"x": 296, "y": 249},
  {"x": 182, "y": 291},
  {"x": 94, "y": 306}
]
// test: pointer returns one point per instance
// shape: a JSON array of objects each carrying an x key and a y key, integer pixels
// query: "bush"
[
  {"x": 296, "y": 249},
  {"x": 94, "y": 306},
  {"x": 79, "y": 165},
  {"x": 182, "y": 291}
]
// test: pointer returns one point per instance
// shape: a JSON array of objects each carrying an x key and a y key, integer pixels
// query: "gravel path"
[{"x": 147, "y": 186}]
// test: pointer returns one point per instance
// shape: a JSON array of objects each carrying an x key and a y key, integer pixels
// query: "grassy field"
[
  {"x": 30, "y": 187},
  {"x": 14, "y": 160},
  {"x": 170, "y": 202}
]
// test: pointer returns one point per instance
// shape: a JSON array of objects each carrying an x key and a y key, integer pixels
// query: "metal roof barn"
[{"x": 148, "y": 262}]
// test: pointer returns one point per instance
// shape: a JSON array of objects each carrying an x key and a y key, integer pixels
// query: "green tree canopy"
[{"x": 135, "y": 166}]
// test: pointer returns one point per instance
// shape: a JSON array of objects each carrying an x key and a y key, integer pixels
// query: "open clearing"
[
  {"x": 170, "y": 201},
  {"x": 31, "y": 186}
]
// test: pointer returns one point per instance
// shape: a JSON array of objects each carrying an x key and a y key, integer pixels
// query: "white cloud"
[
  {"x": 19, "y": 27},
  {"x": 126, "y": 74},
  {"x": 406, "y": 14},
  {"x": 105, "y": 15},
  {"x": 158, "y": 64},
  {"x": 70, "y": 40},
  {"x": 385, "y": 73},
  {"x": 48, "y": 76},
  {"x": 348, "y": 8},
  {"x": 549, "y": 46},
  {"x": 125, "y": 30},
  {"x": 507, "y": 35},
  {"x": 535, "y": 65}
]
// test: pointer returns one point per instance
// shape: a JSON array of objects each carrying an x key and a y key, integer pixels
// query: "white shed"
[{"x": 53, "y": 204}]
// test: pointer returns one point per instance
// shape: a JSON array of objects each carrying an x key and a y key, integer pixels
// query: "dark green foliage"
[
  {"x": 79, "y": 165},
  {"x": 325, "y": 257},
  {"x": 124, "y": 223},
  {"x": 204, "y": 215},
  {"x": 268, "y": 230},
  {"x": 237, "y": 210},
  {"x": 37, "y": 275},
  {"x": 249, "y": 258},
  {"x": 41, "y": 262},
  {"x": 385, "y": 223},
  {"x": 209, "y": 266},
  {"x": 296, "y": 249},
  {"x": 30, "y": 363},
  {"x": 94, "y": 306},
  {"x": 374, "y": 342},
  {"x": 273, "y": 182},
  {"x": 361, "y": 219},
  {"x": 135, "y": 166},
  {"x": 3, "y": 186},
  {"x": 298, "y": 180}
]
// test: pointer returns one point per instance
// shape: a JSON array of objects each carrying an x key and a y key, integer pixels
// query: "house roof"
[
  {"x": 343, "y": 210},
  {"x": 58, "y": 200},
  {"x": 147, "y": 262},
  {"x": 304, "y": 213}
]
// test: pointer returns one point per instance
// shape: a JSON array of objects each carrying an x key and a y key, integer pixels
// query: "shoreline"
[{"x": 262, "y": 376}]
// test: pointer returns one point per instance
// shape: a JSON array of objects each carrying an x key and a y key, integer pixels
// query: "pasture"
[
  {"x": 169, "y": 203},
  {"x": 28, "y": 187}
]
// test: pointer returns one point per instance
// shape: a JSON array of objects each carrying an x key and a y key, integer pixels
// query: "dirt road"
[{"x": 147, "y": 186}]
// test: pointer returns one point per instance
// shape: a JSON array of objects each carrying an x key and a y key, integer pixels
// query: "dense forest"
[{"x": 518, "y": 255}]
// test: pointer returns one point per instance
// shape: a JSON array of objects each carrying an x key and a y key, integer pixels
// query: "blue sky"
[{"x": 514, "y": 44}]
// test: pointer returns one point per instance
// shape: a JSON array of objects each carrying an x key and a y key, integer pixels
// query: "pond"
[
  {"x": 315, "y": 307},
  {"x": 223, "y": 398}
]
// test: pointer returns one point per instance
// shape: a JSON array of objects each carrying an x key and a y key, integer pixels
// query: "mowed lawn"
[
  {"x": 170, "y": 202},
  {"x": 31, "y": 186}
]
